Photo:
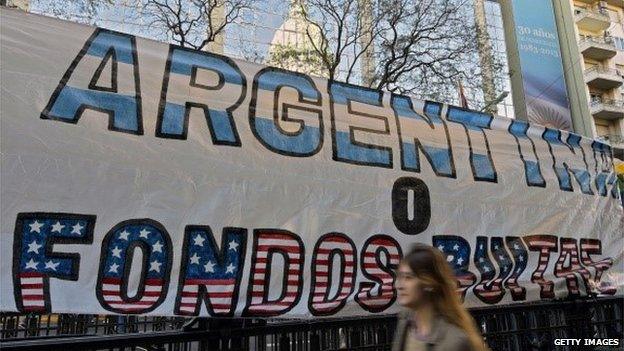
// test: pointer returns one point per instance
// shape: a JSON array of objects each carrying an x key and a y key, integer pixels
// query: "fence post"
[
  {"x": 284, "y": 343},
  {"x": 315, "y": 341},
  {"x": 354, "y": 339},
  {"x": 10, "y": 326}
]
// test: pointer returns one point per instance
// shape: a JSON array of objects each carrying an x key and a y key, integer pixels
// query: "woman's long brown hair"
[{"x": 430, "y": 266}]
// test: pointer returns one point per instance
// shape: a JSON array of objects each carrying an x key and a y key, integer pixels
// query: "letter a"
[{"x": 103, "y": 77}]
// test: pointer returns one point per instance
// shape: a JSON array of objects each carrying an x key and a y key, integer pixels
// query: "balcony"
[
  {"x": 607, "y": 109},
  {"x": 597, "y": 48},
  {"x": 613, "y": 139},
  {"x": 603, "y": 78},
  {"x": 610, "y": 2},
  {"x": 593, "y": 20},
  {"x": 614, "y": 2}
]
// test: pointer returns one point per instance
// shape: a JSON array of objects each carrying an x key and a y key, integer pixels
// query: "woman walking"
[{"x": 434, "y": 318}]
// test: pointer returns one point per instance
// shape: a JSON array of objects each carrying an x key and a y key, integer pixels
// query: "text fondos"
[{"x": 210, "y": 274}]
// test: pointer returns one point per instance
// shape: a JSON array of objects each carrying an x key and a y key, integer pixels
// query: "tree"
[
  {"x": 335, "y": 29},
  {"x": 292, "y": 48},
  {"x": 190, "y": 23},
  {"x": 81, "y": 11},
  {"x": 418, "y": 47},
  {"x": 194, "y": 23}
]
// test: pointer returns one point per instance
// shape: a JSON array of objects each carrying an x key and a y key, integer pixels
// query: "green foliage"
[{"x": 294, "y": 58}]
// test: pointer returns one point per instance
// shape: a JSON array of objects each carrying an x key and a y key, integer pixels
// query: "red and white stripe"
[
  {"x": 111, "y": 292},
  {"x": 218, "y": 291},
  {"x": 282, "y": 242},
  {"x": 322, "y": 267},
  {"x": 491, "y": 295},
  {"x": 545, "y": 245},
  {"x": 31, "y": 289},
  {"x": 379, "y": 296},
  {"x": 517, "y": 291},
  {"x": 490, "y": 291},
  {"x": 464, "y": 281},
  {"x": 568, "y": 247},
  {"x": 594, "y": 247}
]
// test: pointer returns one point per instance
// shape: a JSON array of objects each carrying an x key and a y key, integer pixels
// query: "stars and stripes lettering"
[
  {"x": 381, "y": 255},
  {"x": 116, "y": 261},
  {"x": 210, "y": 275},
  {"x": 544, "y": 244},
  {"x": 34, "y": 261},
  {"x": 569, "y": 253},
  {"x": 327, "y": 248},
  {"x": 267, "y": 243},
  {"x": 520, "y": 257},
  {"x": 457, "y": 251},
  {"x": 490, "y": 290},
  {"x": 594, "y": 247}
]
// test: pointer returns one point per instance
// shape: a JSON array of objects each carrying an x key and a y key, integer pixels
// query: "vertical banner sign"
[
  {"x": 149, "y": 179},
  {"x": 543, "y": 78}
]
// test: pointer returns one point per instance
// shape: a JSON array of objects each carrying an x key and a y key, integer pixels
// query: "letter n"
[{"x": 208, "y": 274}]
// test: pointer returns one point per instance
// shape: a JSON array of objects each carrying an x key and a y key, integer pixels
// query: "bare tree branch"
[
  {"x": 194, "y": 23},
  {"x": 419, "y": 47}
]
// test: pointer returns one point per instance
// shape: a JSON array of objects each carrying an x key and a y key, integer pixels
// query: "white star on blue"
[
  {"x": 206, "y": 261},
  {"x": 154, "y": 243},
  {"x": 36, "y": 232}
]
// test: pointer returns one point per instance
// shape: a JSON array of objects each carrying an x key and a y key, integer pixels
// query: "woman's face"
[{"x": 409, "y": 287}]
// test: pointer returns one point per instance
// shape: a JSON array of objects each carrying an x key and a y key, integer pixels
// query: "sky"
[
  {"x": 125, "y": 16},
  {"x": 248, "y": 39}
]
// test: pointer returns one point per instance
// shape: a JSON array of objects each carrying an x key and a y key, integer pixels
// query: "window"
[
  {"x": 614, "y": 16},
  {"x": 595, "y": 97},
  {"x": 619, "y": 43},
  {"x": 602, "y": 128}
]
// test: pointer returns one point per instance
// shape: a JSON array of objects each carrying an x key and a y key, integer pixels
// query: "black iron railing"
[
  {"x": 528, "y": 326},
  {"x": 598, "y": 40},
  {"x": 604, "y": 70}
]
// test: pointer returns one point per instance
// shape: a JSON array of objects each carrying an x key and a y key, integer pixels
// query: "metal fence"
[{"x": 529, "y": 326}]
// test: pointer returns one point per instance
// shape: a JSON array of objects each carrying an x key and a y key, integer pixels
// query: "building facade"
[
  {"x": 292, "y": 48},
  {"x": 599, "y": 26},
  {"x": 20, "y": 4}
]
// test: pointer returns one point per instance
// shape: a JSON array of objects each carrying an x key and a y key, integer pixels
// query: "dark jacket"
[{"x": 444, "y": 335}]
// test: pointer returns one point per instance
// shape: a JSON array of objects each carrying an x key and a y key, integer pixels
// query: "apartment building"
[
  {"x": 20, "y": 4},
  {"x": 600, "y": 34}
]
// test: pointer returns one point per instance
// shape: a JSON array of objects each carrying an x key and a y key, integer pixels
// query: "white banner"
[{"x": 145, "y": 178}]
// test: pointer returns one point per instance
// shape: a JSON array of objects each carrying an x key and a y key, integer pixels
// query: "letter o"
[{"x": 422, "y": 205}]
